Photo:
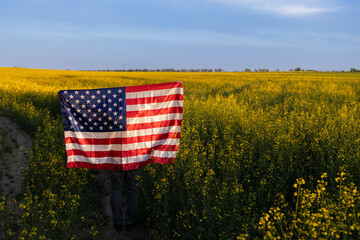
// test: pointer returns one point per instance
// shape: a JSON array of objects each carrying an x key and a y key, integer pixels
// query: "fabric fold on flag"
[{"x": 122, "y": 128}]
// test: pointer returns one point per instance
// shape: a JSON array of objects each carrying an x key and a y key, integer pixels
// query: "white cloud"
[
  {"x": 286, "y": 7},
  {"x": 298, "y": 10}
]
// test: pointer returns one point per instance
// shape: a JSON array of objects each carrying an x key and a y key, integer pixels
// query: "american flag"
[{"x": 122, "y": 128}]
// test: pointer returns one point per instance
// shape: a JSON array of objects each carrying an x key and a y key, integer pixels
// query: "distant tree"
[
  {"x": 354, "y": 70},
  {"x": 262, "y": 70},
  {"x": 247, "y": 70},
  {"x": 297, "y": 69}
]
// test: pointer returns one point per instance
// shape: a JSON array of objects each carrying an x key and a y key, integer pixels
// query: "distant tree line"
[
  {"x": 354, "y": 70},
  {"x": 298, "y": 69},
  {"x": 164, "y": 70}
]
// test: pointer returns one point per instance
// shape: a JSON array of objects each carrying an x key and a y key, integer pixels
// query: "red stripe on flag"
[
  {"x": 152, "y": 87},
  {"x": 154, "y": 112},
  {"x": 108, "y": 141},
  {"x": 121, "y": 154},
  {"x": 167, "y": 98},
  {"x": 120, "y": 167}
]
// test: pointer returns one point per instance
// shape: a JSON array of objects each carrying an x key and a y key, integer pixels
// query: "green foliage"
[{"x": 318, "y": 214}]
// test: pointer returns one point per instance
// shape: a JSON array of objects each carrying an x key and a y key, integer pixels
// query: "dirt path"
[{"x": 13, "y": 157}]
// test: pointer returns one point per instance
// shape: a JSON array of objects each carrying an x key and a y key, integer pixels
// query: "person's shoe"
[
  {"x": 130, "y": 227},
  {"x": 118, "y": 227}
]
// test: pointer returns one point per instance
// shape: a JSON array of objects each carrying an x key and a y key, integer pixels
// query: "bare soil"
[{"x": 13, "y": 157}]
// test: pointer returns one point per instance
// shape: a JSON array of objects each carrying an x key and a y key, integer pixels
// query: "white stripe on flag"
[
  {"x": 156, "y": 118},
  {"x": 154, "y": 93},
  {"x": 151, "y": 106},
  {"x": 123, "y": 147}
]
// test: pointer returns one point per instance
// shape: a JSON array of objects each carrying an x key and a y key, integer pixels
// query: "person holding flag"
[
  {"x": 118, "y": 180},
  {"x": 122, "y": 129}
]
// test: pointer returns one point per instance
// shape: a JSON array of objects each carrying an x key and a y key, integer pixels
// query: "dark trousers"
[{"x": 118, "y": 178}]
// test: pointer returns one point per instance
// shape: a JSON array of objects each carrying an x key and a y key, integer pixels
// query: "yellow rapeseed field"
[{"x": 262, "y": 155}]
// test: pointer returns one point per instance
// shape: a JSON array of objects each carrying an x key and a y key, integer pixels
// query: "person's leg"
[
  {"x": 117, "y": 185},
  {"x": 132, "y": 197}
]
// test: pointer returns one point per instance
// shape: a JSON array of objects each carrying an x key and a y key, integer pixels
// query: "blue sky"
[{"x": 228, "y": 34}]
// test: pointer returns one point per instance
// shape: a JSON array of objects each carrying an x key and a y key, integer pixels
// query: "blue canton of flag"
[{"x": 95, "y": 110}]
